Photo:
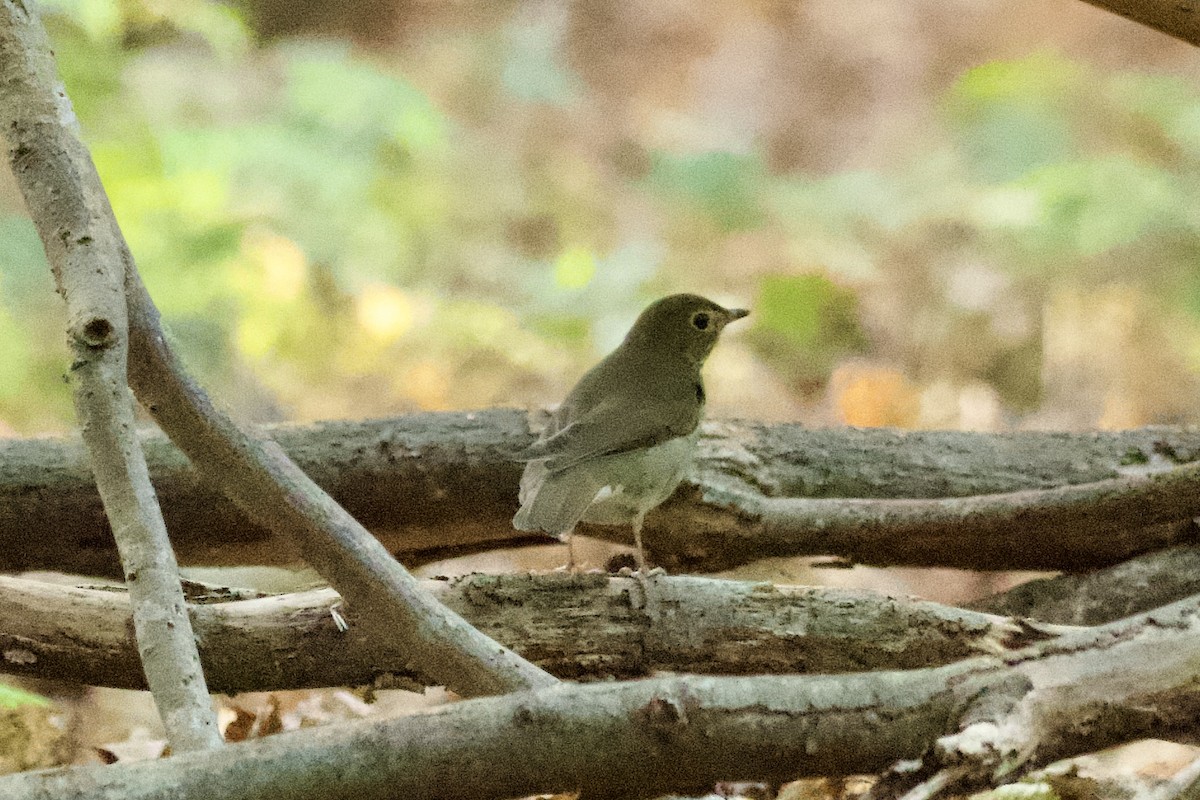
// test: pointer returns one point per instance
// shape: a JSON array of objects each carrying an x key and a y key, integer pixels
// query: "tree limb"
[
  {"x": 1031, "y": 529},
  {"x": 1178, "y": 18},
  {"x": 634, "y": 739},
  {"x": 456, "y": 471},
  {"x": 254, "y": 472},
  {"x": 1140, "y": 584},
  {"x": 87, "y": 269},
  {"x": 1083, "y": 691},
  {"x": 576, "y": 626},
  {"x": 987, "y": 719}
]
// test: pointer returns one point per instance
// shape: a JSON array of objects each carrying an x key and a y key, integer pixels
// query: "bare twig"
[
  {"x": 90, "y": 276},
  {"x": 580, "y": 626}
]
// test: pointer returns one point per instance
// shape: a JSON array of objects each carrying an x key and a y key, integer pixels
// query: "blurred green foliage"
[
  {"x": 326, "y": 236},
  {"x": 808, "y": 314},
  {"x": 723, "y": 187},
  {"x": 12, "y": 697}
]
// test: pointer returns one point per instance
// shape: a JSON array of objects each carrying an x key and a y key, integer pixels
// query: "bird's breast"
[{"x": 641, "y": 479}]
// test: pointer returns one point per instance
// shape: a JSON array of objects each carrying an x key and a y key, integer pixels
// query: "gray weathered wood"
[{"x": 460, "y": 486}]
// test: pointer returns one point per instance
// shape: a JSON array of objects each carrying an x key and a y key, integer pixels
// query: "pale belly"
[{"x": 640, "y": 481}]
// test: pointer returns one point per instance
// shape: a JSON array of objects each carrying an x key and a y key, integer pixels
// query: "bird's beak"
[{"x": 735, "y": 314}]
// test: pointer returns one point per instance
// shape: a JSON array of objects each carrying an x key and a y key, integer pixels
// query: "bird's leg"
[
  {"x": 570, "y": 537},
  {"x": 637, "y": 538}
]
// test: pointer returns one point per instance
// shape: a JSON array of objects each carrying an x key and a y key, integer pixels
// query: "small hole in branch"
[{"x": 97, "y": 332}]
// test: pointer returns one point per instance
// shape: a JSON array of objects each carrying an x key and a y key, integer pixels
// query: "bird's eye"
[{"x": 700, "y": 321}]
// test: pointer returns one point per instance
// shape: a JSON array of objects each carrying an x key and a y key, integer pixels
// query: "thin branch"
[
  {"x": 578, "y": 626},
  {"x": 1140, "y": 584},
  {"x": 254, "y": 472},
  {"x": 986, "y": 718},
  {"x": 89, "y": 273},
  {"x": 1178, "y": 18},
  {"x": 461, "y": 483},
  {"x": 257, "y": 475},
  {"x": 1003, "y": 531}
]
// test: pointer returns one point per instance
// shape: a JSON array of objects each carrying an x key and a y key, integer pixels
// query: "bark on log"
[
  {"x": 985, "y": 719},
  {"x": 456, "y": 473},
  {"x": 575, "y": 626},
  {"x": 1132, "y": 587}
]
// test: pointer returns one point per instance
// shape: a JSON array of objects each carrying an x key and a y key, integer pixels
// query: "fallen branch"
[
  {"x": 636, "y": 739},
  {"x": 460, "y": 483},
  {"x": 1083, "y": 691},
  {"x": 577, "y": 626},
  {"x": 986, "y": 719},
  {"x": 1032, "y": 529},
  {"x": 87, "y": 269},
  {"x": 1140, "y": 584}
]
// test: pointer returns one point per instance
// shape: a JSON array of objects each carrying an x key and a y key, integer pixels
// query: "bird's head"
[{"x": 682, "y": 323}]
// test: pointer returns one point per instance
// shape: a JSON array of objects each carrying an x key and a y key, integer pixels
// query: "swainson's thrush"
[{"x": 625, "y": 436}]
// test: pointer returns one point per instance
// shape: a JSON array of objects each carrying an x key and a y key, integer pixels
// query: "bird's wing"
[{"x": 611, "y": 428}]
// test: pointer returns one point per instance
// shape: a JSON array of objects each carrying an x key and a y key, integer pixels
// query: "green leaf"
[
  {"x": 806, "y": 309},
  {"x": 1093, "y": 206},
  {"x": 332, "y": 90}
]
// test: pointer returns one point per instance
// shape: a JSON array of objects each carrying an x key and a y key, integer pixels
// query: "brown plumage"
[{"x": 624, "y": 437}]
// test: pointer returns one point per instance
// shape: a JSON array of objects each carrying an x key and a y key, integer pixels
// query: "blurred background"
[
  {"x": 975, "y": 214},
  {"x": 963, "y": 213}
]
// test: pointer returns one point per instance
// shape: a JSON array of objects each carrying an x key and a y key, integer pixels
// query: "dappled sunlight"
[
  {"x": 385, "y": 312},
  {"x": 284, "y": 268}
]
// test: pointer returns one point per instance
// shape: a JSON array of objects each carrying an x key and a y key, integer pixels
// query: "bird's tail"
[{"x": 554, "y": 502}]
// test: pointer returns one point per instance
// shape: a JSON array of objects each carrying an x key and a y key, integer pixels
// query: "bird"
[{"x": 624, "y": 437}]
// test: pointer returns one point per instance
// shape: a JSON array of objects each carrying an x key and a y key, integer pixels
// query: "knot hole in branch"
[{"x": 97, "y": 332}]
